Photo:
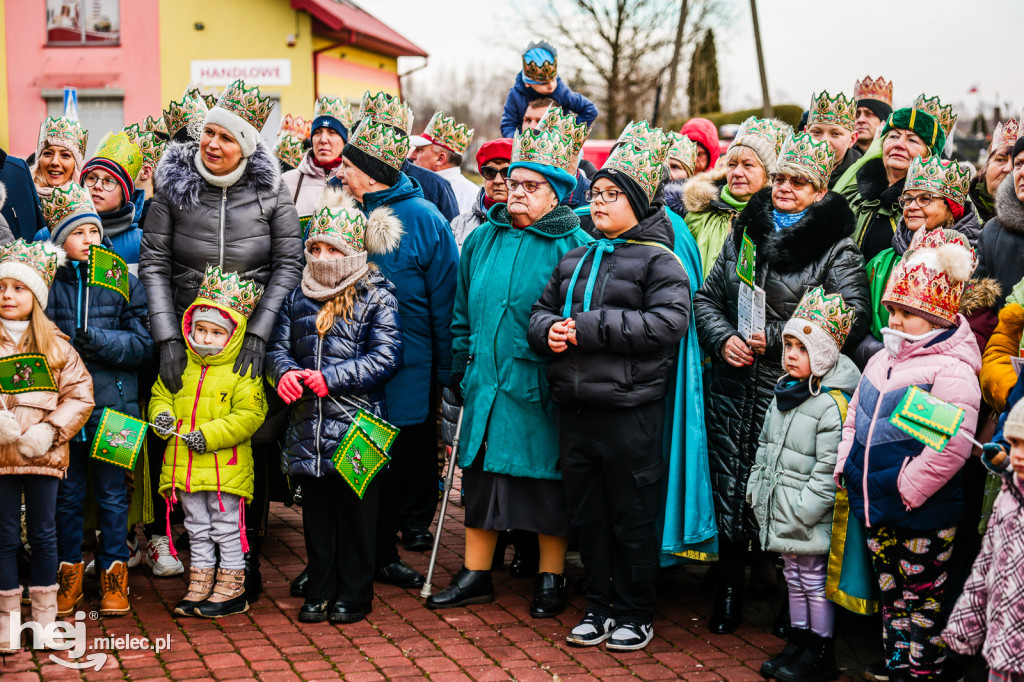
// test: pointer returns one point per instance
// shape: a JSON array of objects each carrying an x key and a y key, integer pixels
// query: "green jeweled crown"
[
  {"x": 155, "y": 125},
  {"x": 817, "y": 158},
  {"x": 839, "y": 110},
  {"x": 288, "y": 148},
  {"x": 575, "y": 133},
  {"x": 682, "y": 149},
  {"x": 65, "y": 202},
  {"x": 443, "y": 130},
  {"x": 61, "y": 128},
  {"x": 119, "y": 148},
  {"x": 642, "y": 136},
  {"x": 544, "y": 72},
  {"x": 547, "y": 147},
  {"x": 246, "y": 103},
  {"x": 228, "y": 289},
  {"x": 335, "y": 107},
  {"x": 1005, "y": 134},
  {"x": 645, "y": 166},
  {"x": 381, "y": 141},
  {"x": 385, "y": 108},
  {"x": 208, "y": 95},
  {"x": 765, "y": 128},
  {"x": 40, "y": 256},
  {"x": 947, "y": 178},
  {"x": 943, "y": 114},
  {"x": 342, "y": 224},
  {"x": 828, "y": 311},
  {"x": 151, "y": 145},
  {"x": 188, "y": 113},
  {"x": 873, "y": 88}
]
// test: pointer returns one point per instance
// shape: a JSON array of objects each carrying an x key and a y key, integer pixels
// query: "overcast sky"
[{"x": 939, "y": 47}]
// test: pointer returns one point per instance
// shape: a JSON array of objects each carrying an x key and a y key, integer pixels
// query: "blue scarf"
[
  {"x": 781, "y": 220},
  {"x": 598, "y": 248}
]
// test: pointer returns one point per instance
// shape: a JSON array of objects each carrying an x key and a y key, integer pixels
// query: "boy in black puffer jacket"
[
  {"x": 110, "y": 334},
  {"x": 613, "y": 315}
]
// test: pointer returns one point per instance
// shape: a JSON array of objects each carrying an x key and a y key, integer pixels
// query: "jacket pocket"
[{"x": 646, "y": 493}]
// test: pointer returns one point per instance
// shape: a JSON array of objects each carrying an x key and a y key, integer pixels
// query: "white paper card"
[{"x": 751, "y": 311}]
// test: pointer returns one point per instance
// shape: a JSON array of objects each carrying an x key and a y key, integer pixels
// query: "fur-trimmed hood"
[
  {"x": 181, "y": 184},
  {"x": 1009, "y": 209},
  {"x": 703, "y": 191},
  {"x": 825, "y": 223},
  {"x": 979, "y": 294},
  {"x": 383, "y": 228},
  {"x": 672, "y": 192}
]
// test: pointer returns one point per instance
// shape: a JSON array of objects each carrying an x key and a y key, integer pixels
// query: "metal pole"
[
  {"x": 767, "y": 102},
  {"x": 448, "y": 479}
]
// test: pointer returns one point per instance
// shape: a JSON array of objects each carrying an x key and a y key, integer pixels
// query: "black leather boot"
[
  {"x": 298, "y": 587},
  {"x": 526, "y": 559},
  {"x": 549, "y": 597},
  {"x": 345, "y": 612},
  {"x": 314, "y": 611},
  {"x": 467, "y": 587},
  {"x": 816, "y": 663},
  {"x": 253, "y": 578},
  {"x": 789, "y": 653},
  {"x": 725, "y": 617}
]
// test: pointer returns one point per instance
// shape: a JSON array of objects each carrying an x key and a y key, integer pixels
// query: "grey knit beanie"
[{"x": 1014, "y": 427}]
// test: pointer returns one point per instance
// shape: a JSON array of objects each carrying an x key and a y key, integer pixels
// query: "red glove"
[
  {"x": 290, "y": 386},
  {"x": 316, "y": 382}
]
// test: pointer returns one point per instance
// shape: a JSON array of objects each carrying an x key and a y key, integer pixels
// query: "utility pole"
[{"x": 768, "y": 111}]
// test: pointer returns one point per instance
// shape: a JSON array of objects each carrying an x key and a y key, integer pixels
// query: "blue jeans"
[
  {"x": 108, "y": 487},
  {"x": 40, "y": 498}
]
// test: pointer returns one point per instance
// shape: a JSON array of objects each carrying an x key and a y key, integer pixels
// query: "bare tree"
[{"x": 673, "y": 65}]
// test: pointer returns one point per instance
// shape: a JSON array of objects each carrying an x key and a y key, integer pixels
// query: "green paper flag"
[
  {"x": 358, "y": 459},
  {"x": 927, "y": 418},
  {"x": 107, "y": 269},
  {"x": 745, "y": 262},
  {"x": 25, "y": 372},
  {"x": 380, "y": 432},
  {"x": 118, "y": 440},
  {"x": 304, "y": 226}
]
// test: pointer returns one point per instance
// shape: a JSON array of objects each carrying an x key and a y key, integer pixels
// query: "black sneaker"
[
  {"x": 630, "y": 636},
  {"x": 591, "y": 631}
]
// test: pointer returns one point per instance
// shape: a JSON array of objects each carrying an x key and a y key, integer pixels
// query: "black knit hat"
[
  {"x": 637, "y": 197},
  {"x": 375, "y": 168},
  {"x": 879, "y": 108},
  {"x": 1018, "y": 147}
]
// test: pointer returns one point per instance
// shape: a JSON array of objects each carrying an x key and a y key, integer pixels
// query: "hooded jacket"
[
  {"x": 997, "y": 375},
  {"x": 984, "y": 203},
  {"x": 250, "y": 228},
  {"x": 874, "y": 202},
  {"x": 892, "y": 479},
  {"x": 520, "y": 96},
  {"x": 703, "y": 132},
  {"x": 709, "y": 214},
  {"x": 1001, "y": 245},
  {"x": 815, "y": 251},
  {"x": 20, "y": 211},
  {"x": 225, "y": 407},
  {"x": 306, "y": 183}
]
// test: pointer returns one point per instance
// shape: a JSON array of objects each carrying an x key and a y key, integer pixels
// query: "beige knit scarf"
[{"x": 325, "y": 278}]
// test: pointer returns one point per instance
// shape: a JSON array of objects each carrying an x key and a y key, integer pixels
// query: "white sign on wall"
[{"x": 252, "y": 71}]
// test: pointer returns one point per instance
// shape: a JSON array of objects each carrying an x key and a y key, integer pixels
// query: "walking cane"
[{"x": 448, "y": 479}]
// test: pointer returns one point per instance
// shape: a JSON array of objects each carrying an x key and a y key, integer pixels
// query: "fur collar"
[
  {"x": 979, "y": 294},
  {"x": 791, "y": 249},
  {"x": 702, "y": 191},
  {"x": 873, "y": 183},
  {"x": 181, "y": 184},
  {"x": 672, "y": 191},
  {"x": 1009, "y": 209}
]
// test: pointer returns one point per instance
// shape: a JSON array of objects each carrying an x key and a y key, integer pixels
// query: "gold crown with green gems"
[
  {"x": 575, "y": 133},
  {"x": 381, "y": 141},
  {"x": 151, "y": 145},
  {"x": 64, "y": 129},
  {"x": 334, "y": 224},
  {"x": 937, "y": 175},
  {"x": 246, "y": 103},
  {"x": 548, "y": 147},
  {"x": 839, "y": 110},
  {"x": 642, "y": 135},
  {"x": 207, "y": 94},
  {"x": 43, "y": 257},
  {"x": 828, "y": 311},
  {"x": 941, "y": 113},
  {"x": 230, "y": 290},
  {"x": 335, "y": 107},
  {"x": 288, "y": 148},
  {"x": 765, "y": 128},
  {"x": 155, "y": 125},
  {"x": 802, "y": 150},
  {"x": 65, "y": 202},
  {"x": 682, "y": 149},
  {"x": 188, "y": 113},
  {"x": 385, "y": 108},
  {"x": 643, "y": 165},
  {"x": 445, "y": 131}
]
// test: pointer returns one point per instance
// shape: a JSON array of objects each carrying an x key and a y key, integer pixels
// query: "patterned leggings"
[{"x": 910, "y": 567}]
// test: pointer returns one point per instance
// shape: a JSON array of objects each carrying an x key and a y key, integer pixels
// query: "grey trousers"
[{"x": 209, "y": 527}]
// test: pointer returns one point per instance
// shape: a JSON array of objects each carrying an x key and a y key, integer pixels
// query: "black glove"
[
  {"x": 254, "y": 349},
  {"x": 993, "y": 451},
  {"x": 456, "y": 388},
  {"x": 172, "y": 364},
  {"x": 83, "y": 342},
  {"x": 163, "y": 424},
  {"x": 195, "y": 441}
]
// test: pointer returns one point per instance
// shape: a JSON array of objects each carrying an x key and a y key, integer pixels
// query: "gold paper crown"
[
  {"x": 385, "y": 108},
  {"x": 246, "y": 103},
  {"x": 575, "y": 133},
  {"x": 288, "y": 148},
  {"x": 207, "y": 94},
  {"x": 335, "y": 107},
  {"x": 228, "y": 289},
  {"x": 294, "y": 126},
  {"x": 839, "y": 110},
  {"x": 817, "y": 158},
  {"x": 828, "y": 311},
  {"x": 1005, "y": 135},
  {"x": 916, "y": 282},
  {"x": 336, "y": 224},
  {"x": 544, "y": 72},
  {"x": 151, "y": 145},
  {"x": 872, "y": 88},
  {"x": 381, "y": 141},
  {"x": 642, "y": 136},
  {"x": 66, "y": 202},
  {"x": 947, "y": 178},
  {"x": 119, "y": 148},
  {"x": 765, "y": 128},
  {"x": 155, "y": 125},
  {"x": 683, "y": 149},
  {"x": 547, "y": 147},
  {"x": 43, "y": 257},
  {"x": 645, "y": 166},
  {"x": 66, "y": 130},
  {"x": 443, "y": 130},
  {"x": 189, "y": 113},
  {"x": 943, "y": 114}
]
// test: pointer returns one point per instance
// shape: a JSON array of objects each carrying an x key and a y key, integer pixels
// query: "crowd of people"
[{"x": 804, "y": 349}]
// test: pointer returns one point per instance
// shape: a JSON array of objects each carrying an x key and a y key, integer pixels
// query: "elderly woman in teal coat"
[{"x": 509, "y": 441}]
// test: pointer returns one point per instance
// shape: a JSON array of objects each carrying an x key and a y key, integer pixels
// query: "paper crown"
[
  {"x": 682, "y": 149},
  {"x": 1005, "y": 134},
  {"x": 828, "y": 311},
  {"x": 65, "y": 202},
  {"x": 931, "y": 276},
  {"x": 335, "y": 107},
  {"x": 246, "y": 103},
  {"x": 208, "y": 95},
  {"x": 155, "y": 125},
  {"x": 548, "y": 147},
  {"x": 873, "y": 88},
  {"x": 947, "y": 178},
  {"x": 943, "y": 114},
  {"x": 119, "y": 148},
  {"x": 43, "y": 257},
  {"x": 443, "y": 130},
  {"x": 544, "y": 72},
  {"x": 149, "y": 143},
  {"x": 764, "y": 128},
  {"x": 839, "y": 110},
  {"x": 641, "y": 135},
  {"x": 645, "y": 166},
  {"x": 230, "y": 290},
  {"x": 288, "y": 148},
  {"x": 295, "y": 126},
  {"x": 66, "y": 130},
  {"x": 381, "y": 141},
  {"x": 385, "y": 108},
  {"x": 816, "y": 158},
  {"x": 188, "y": 113},
  {"x": 347, "y": 225},
  {"x": 574, "y": 133}
]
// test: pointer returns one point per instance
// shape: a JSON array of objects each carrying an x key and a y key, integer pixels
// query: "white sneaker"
[
  {"x": 158, "y": 557},
  {"x": 630, "y": 636},
  {"x": 90, "y": 568},
  {"x": 134, "y": 555}
]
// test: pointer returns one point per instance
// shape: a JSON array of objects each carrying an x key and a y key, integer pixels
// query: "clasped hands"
[{"x": 290, "y": 385}]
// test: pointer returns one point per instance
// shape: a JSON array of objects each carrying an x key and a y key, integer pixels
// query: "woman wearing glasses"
[
  {"x": 800, "y": 233},
  {"x": 492, "y": 161},
  {"x": 509, "y": 442}
]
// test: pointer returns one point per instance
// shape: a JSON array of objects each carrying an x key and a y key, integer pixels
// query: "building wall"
[
  {"x": 4, "y": 103},
  {"x": 348, "y": 71}
]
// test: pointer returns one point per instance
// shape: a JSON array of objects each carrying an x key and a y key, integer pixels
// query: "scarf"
[
  {"x": 201, "y": 350},
  {"x": 220, "y": 180},
  {"x": 893, "y": 340},
  {"x": 328, "y": 166},
  {"x": 790, "y": 393},
  {"x": 325, "y": 278},
  {"x": 728, "y": 198},
  {"x": 118, "y": 221},
  {"x": 782, "y": 220},
  {"x": 15, "y": 329}
]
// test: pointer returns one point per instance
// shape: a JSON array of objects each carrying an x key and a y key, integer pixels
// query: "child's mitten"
[
  {"x": 9, "y": 428},
  {"x": 36, "y": 440},
  {"x": 163, "y": 424},
  {"x": 290, "y": 386},
  {"x": 316, "y": 382},
  {"x": 995, "y": 457},
  {"x": 196, "y": 441}
]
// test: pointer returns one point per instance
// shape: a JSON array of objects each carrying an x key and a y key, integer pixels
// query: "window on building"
[
  {"x": 83, "y": 22},
  {"x": 101, "y": 111}
]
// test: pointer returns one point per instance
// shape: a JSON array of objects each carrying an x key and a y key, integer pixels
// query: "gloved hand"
[
  {"x": 36, "y": 441},
  {"x": 83, "y": 342},
  {"x": 163, "y": 424},
  {"x": 995, "y": 457},
  {"x": 172, "y": 364},
  {"x": 456, "y": 388},
  {"x": 254, "y": 349},
  {"x": 10, "y": 430},
  {"x": 290, "y": 386},
  {"x": 196, "y": 441},
  {"x": 314, "y": 379}
]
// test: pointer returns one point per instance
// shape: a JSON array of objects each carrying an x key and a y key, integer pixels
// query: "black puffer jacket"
[
  {"x": 1001, "y": 245},
  {"x": 628, "y": 340},
  {"x": 816, "y": 251},
  {"x": 357, "y": 358},
  {"x": 250, "y": 228},
  {"x": 120, "y": 340}
]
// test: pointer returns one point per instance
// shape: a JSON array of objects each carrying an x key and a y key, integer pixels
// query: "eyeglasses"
[
  {"x": 921, "y": 200},
  {"x": 608, "y": 196},
  {"x": 795, "y": 182},
  {"x": 490, "y": 172},
  {"x": 106, "y": 183},
  {"x": 529, "y": 186}
]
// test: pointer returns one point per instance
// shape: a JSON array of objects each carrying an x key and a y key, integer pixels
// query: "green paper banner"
[
  {"x": 358, "y": 459},
  {"x": 107, "y": 269},
  {"x": 25, "y": 372},
  {"x": 119, "y": 438},
  {"x": 745, "y": 262},
  {"x": 929, "y": 419}
]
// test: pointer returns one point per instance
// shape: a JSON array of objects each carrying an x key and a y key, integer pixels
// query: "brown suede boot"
[
  {"x": 44, "y": 611},
  {"x": 69, "y": 592},
  {"x": 228, "y": 596},
  {"x": 10, "y": 602},
  {"x": 114, "y": 590},
  {"x": 200, "y": 587}
]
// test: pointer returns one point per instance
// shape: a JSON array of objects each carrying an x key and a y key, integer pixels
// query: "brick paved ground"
[{"x": 403, "y": 640}]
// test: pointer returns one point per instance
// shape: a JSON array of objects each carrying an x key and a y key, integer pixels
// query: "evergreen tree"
[{"x": 702, "y": 90}]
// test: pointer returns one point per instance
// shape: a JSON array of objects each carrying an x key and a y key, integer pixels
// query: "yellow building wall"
[
  {"x": 5, "y": 127},
  {"x": 349, "y": 71}
]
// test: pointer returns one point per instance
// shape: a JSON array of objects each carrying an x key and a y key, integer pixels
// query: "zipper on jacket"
[
  {"x": 220, "y": 243},
  {"x": 867, "y": 448},
  {"x": 78, "y": 305},
  {"x": 319, "y": 406},
  {"x": 195, "y": 406}
]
